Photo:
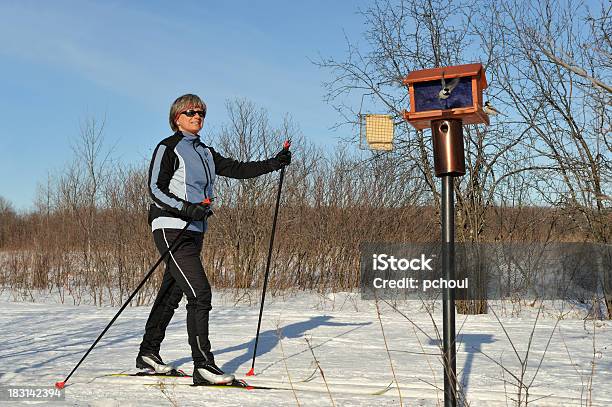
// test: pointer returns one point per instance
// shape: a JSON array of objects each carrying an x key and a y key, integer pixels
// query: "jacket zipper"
[{"x": 206, "y": 171}]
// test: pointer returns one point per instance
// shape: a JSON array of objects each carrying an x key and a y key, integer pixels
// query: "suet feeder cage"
[
  {"x": 378, "y": 131},
  {"x": 464, "y": 101}
]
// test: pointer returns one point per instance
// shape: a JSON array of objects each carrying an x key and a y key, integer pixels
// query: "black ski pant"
[{"x": 184, "y": 275}]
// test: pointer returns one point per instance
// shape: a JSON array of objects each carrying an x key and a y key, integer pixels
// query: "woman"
[{"x": 181, "y": 176}]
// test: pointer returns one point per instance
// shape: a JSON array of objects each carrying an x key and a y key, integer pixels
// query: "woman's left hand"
[{"x": 284, "y": 157}]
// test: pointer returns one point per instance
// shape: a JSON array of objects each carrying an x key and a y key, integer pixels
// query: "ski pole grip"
[{"x": 207, "y": 202}]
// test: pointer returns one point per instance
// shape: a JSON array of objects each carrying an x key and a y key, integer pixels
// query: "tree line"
[{"x": 541, "y": 172}]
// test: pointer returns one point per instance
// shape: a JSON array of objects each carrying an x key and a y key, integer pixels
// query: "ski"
[
  {"x": 177, "y": 380},
  {"x": 241, "y": 384},
  {"x": 147, "y": 373}
]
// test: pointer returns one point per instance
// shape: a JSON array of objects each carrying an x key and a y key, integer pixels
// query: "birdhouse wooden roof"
[
  {"x": 463, "y": 101},
  {"x": 448, "y": 72}
]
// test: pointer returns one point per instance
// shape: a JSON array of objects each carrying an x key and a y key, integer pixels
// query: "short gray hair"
[{"x": 181, "y": 104}]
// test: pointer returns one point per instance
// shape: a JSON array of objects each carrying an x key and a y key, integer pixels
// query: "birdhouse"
[{"x": 452, "y": 92}]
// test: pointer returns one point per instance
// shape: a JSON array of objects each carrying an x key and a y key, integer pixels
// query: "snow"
[{"x": 41, "y": 341}]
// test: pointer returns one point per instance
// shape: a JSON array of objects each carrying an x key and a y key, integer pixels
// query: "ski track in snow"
[{"x": 41, "y": 342}]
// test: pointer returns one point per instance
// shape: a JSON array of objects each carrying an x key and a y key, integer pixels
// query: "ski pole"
[
  {"x": 251, "y": 372},
  {"x": 60, "y": 385}
]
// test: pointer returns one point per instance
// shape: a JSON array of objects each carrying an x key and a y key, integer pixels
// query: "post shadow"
[{"x": 472, "y": 344}]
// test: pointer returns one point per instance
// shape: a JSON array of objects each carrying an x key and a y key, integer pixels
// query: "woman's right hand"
[{"x": 196, "y": 211}]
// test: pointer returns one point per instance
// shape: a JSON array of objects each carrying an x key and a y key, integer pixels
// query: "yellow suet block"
[{"x": 379, "y": 131}]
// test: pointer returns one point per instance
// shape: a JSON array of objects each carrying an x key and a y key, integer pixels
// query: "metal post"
[
  {"x": 448, "y": 306},
  {"x": 449, "y": 162}
]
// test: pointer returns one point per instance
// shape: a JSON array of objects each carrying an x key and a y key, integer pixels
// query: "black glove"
[
  {"x": 284, "y": 157},
  {"x": 196, "y": 211}
]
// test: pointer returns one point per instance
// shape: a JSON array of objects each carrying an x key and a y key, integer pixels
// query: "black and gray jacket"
[{"x": 183, "y": 170}]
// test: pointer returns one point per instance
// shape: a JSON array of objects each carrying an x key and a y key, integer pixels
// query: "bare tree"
[
  {"x": 409, "y": 35},
  {"x": 550, "y": 77},
  {"x": 7, "y": 220}
]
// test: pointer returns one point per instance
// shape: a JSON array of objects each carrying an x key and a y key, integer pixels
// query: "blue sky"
[{"x": 64, "y": 61}]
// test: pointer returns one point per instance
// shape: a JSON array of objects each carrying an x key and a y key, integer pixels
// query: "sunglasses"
[{"x": 191, "y": 113}]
